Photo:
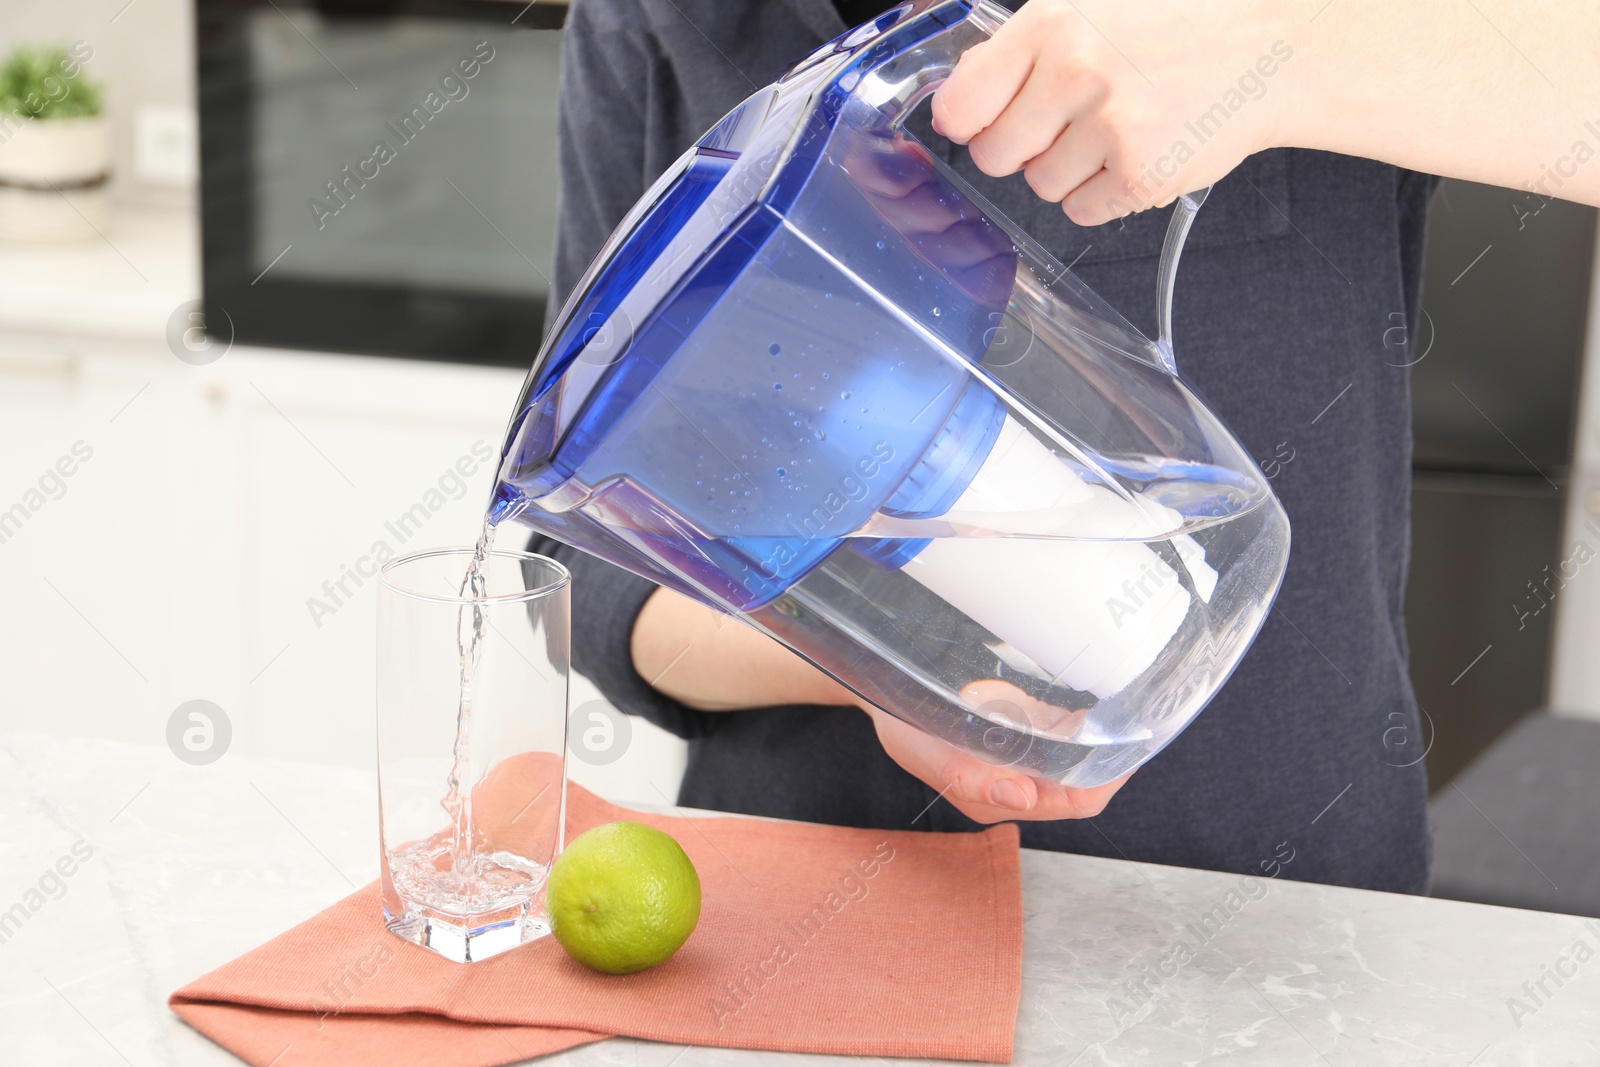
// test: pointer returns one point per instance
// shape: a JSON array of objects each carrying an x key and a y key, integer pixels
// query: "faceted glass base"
[{"x": 466, "y": 940}]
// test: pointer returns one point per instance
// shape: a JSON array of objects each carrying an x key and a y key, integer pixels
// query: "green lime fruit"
[{"x": 623, "y": 897}]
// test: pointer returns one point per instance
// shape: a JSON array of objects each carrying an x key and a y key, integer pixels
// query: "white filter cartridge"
[{"x": 1067, "y": 579}]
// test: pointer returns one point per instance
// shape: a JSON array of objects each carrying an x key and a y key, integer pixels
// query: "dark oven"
[{"x": 379, "y": 176}]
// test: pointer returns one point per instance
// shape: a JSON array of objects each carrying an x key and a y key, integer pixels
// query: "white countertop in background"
[
  {"x": 124, "y": 283},
  {"x": 193, "y": 866}
]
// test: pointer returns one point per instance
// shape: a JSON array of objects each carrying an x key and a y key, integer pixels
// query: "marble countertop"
[{"x": 187, "y": 867}]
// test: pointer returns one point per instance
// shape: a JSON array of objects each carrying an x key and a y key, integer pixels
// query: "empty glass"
[{"x": 472, "y": 714}]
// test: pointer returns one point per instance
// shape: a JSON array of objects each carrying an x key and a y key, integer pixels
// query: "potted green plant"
[{"x": 55, "y": 147}]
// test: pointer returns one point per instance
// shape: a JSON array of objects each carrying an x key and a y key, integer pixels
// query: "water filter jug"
[{"x": 816, "y": 381}]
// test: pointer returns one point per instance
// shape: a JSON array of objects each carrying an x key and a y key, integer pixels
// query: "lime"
[{"x": 623, "y": 897}]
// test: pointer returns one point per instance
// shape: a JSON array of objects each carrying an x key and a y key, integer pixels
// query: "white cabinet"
[{"x": 209, "y": 539}]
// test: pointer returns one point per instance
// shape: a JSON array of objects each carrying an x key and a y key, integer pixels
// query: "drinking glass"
[{"x": 472, "y": 721}]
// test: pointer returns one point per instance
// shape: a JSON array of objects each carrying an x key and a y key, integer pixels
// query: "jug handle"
[
  {"x": 895, "y": 81},
  {"x": 1183, "y": 212}
]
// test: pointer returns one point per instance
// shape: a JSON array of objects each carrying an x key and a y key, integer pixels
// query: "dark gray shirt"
[{"x": 1297, "y": 265}]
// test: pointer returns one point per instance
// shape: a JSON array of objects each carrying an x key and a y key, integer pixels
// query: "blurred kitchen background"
[{"x": 349, "y": 358}]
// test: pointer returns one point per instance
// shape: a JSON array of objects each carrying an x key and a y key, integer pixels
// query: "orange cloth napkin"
[{"x": 818, "y": 939}]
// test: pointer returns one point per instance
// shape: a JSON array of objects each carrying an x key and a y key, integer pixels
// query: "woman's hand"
[
  {"x": 1110, "y": 107},
  {"x": 701, "y": 658},
  {"x": 984, "y": 792}
]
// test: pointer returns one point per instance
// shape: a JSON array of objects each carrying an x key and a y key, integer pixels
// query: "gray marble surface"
[{"x": 1124, "y": 963}]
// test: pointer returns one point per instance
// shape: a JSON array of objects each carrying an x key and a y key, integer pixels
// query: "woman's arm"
[
  {"x": 1111, "y": 107},
  {"x": 705, "y": 660}
]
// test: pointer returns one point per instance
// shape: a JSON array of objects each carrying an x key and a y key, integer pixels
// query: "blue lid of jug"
[{"x": 705, "y": 219}]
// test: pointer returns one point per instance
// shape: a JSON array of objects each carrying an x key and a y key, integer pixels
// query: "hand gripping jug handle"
[{"x": 896, "y": 81}]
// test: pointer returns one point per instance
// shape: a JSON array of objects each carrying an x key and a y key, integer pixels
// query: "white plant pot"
[{"x": 53, "y": 177}]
